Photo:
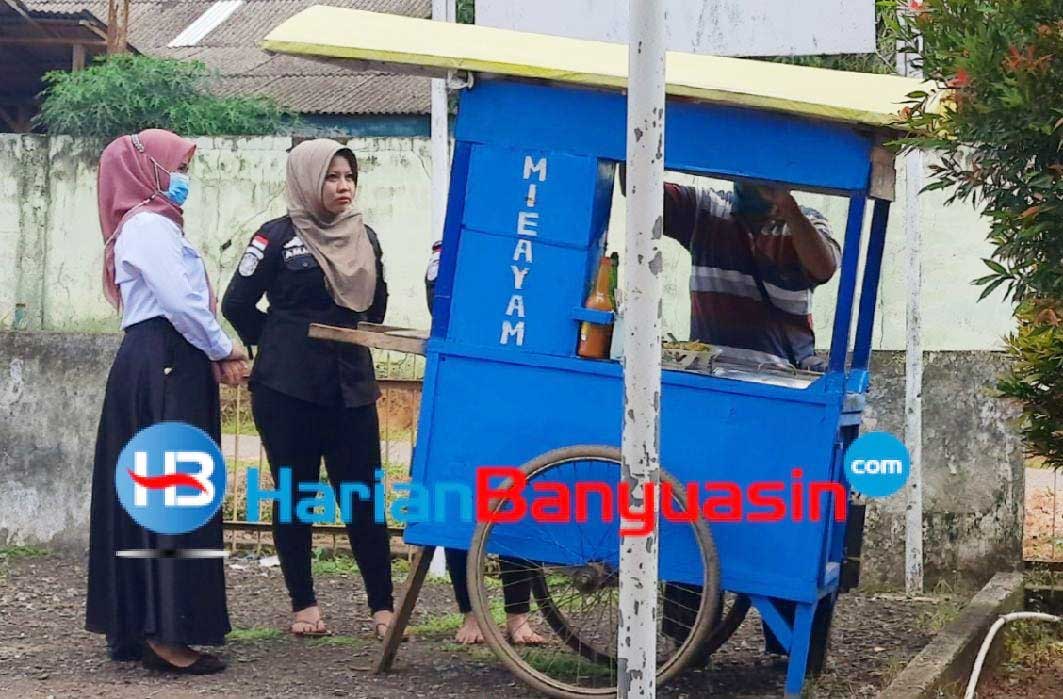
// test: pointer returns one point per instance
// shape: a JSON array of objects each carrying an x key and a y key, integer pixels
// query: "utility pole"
[
  {"x": 913, "y": 370},
  {"x": 640, "y": 443}
]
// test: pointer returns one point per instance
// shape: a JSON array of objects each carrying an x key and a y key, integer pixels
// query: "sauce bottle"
[{"x": 594, "y": 338}]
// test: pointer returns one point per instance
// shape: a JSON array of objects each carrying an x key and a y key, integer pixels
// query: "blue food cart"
[{"x": 536, "y": 145}]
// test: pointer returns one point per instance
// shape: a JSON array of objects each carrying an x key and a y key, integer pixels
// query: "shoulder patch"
[
  {"x": 260, "y": 242},
  {"x": 249, "y": 263}
]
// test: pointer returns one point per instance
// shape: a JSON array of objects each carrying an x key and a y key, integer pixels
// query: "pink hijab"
[{"x": 127, "y": 185}]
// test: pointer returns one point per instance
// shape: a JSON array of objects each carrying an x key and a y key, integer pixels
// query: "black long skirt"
[{"x": 157, "y": 376}]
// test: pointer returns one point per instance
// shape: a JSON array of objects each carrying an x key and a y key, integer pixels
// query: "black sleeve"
[
  {"x": 258, "y": 266},
  {"x": 379, "y": 307}
]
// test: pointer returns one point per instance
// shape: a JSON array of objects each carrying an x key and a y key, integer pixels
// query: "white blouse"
[{"x": 160, "y": 274}]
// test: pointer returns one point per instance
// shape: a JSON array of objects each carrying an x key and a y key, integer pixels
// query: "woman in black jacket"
[{"x": 315, "y": 399}]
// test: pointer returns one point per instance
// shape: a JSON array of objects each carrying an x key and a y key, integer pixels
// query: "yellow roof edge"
[{"x": 858, "y": 99}]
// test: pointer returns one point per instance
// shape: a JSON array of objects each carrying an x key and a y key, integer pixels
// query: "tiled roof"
[{"x": 231, "y": 49}]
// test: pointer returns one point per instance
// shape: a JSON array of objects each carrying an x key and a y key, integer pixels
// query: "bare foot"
[
  {"x": 308, "y": 622},
  {"x": 469, "y": 632},
  {"x": 520, "y": 631},
  {"x": 180, "y": 656}
]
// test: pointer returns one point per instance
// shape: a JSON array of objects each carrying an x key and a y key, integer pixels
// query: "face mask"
[{"x": 178, "y": 191}]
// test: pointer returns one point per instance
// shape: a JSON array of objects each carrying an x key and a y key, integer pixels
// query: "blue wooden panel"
[
  {"x": 551, "y": 197},
  {"x": 517, "y": 412},
  {"x": 517, "y": 293},
  {"x": 703, "y": 138}
]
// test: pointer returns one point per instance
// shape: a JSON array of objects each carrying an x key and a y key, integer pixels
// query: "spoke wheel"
[{"x": 575, "y": 594}]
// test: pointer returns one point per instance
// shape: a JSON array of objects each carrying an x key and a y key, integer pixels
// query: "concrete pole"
[
  {"x": 913, "y": 373},
  {"x": 640, "y": 444},
  {"x": 442, "y": 11}
]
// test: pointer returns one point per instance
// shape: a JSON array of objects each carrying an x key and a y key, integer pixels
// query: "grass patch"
[
  {"x": 439, "y": 625},
  {"x": 12, "y": 552},
  {"x": 569, "y": 666},
  {"x": 253, "y": 635},
  {"x": 1032, "y": 644},
  {"x": 325, "y": 563}
]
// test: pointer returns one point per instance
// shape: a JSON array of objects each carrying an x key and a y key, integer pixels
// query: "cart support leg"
[
  {"x": 422, "y": 559},
  {"x": 801, "y": 640}
]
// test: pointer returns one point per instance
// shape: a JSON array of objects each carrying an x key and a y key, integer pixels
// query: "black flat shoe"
[{"x": 205, "y": 664}]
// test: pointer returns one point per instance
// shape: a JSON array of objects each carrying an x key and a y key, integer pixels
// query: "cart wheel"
[
  {"x": 735, "y": 609},
  {"x": 575, "y": 593}
]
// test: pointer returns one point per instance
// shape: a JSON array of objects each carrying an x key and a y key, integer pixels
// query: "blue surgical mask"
[{"x": 178, "y": 190}]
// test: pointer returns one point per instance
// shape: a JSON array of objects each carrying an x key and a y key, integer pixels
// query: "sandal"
[
  {"x": 382, "y": 634},
  {"x": 316, "y": 629}
]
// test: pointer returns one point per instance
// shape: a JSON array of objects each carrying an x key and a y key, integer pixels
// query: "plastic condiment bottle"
[{"x": 594, "y": 338}]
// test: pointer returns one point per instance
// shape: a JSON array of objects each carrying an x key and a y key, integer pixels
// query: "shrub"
[
  {"x": 999, "y": 132},
  {"x": 124, "y": 94}
]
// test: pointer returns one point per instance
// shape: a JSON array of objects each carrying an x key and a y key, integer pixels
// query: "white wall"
[{"x": 49, "y": 230}]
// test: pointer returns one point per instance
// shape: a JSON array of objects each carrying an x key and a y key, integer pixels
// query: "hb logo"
[{"x": 170, "y": 478}]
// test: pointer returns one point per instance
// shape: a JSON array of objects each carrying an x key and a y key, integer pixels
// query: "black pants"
[
  {"x": 297, "y": 435},
  {"x": 156, "y": 376},
  {"x": 516, "y": 582}
]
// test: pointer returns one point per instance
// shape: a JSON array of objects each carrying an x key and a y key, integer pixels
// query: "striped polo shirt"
[{"x": 727, "y": 306}]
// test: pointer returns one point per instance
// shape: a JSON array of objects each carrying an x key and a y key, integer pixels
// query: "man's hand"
[
  {"x": 786, "y": 207},
  {"x": 813, "y": 250}
]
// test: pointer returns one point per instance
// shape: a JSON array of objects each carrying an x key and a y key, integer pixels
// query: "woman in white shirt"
[{"x": 170, "y": 361}]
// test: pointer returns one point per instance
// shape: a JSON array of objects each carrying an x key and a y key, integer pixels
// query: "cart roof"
[{"x": 422, "y": 46}]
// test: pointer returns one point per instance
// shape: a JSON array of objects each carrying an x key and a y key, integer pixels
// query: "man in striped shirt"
[{"x": 756, "y": 258}]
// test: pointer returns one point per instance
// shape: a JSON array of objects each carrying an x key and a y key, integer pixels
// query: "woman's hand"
[
  {"x": 238, "y": 354},
  {"x": 231, "y": 372}
]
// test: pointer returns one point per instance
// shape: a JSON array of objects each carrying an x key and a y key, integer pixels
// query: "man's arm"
[{"x": 818, "y": 254}]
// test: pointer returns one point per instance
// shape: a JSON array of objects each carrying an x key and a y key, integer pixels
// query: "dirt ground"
[
  {"x": 1043, "y": 518},
  {"x": 1032, "y": 667},
  {"x": 44, "y": 651}
]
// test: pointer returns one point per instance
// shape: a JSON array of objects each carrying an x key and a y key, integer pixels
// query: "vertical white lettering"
[
  {"x": 518, "y": 276},
  {"x": 530, "y": 167},
  {"x": 527, "y": 223},
  {"x": 516, "y": 306},
  {"x": 510, "y": 330},
  {"x": 524, "y": 247},
  {"x": 533, "y": 190}
]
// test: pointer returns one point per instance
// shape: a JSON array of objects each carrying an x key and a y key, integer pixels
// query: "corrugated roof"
[{"x": 231, "y": 49}]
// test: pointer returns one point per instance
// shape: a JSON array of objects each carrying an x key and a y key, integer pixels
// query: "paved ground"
[{"x": 45, "y": 653}]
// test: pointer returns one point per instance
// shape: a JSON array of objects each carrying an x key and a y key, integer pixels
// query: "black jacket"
[{"x": 278, "y": 264}]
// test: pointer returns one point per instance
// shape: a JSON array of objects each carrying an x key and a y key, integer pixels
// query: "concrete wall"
[
  {"x": 972, "y": 472},
  {"x": 51, "y": 391}
]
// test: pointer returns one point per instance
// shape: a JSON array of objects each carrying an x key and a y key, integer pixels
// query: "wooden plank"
[
  {"x": 407, "y": 601},
  {"x": 369, "y": 338},
  {"x": 883, "y": 175}
]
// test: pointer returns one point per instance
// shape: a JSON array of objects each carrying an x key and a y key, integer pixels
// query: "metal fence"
[{"x": 399, "y": 376}]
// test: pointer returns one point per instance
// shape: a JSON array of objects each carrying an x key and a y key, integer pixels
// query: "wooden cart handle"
[{"x": 374, "y": 336}]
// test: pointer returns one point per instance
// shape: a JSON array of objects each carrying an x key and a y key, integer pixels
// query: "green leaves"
[
  {"x": 999, "y": 136},
  {"x": 125, "y": 93}
]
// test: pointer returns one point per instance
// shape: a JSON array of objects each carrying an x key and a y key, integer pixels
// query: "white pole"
[
  {"x": 913, "y": 373},
  {"x": 640, "y": 444},
  {"x": 442, "y": 11}
]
